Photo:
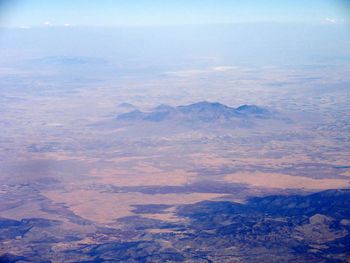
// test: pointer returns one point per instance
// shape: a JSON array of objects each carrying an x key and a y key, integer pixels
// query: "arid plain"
[{"x": 68, "y": 157}]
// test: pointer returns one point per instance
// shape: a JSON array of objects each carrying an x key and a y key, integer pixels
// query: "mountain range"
[
  {"x": 280, "y": 228},
  {"x": 198, "y": 112}
]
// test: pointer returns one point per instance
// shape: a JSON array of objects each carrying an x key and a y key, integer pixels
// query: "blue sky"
[{"x": 32, "y": 13}]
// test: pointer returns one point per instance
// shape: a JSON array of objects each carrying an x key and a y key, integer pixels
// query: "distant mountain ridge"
[{"x": 201, "y": 111}]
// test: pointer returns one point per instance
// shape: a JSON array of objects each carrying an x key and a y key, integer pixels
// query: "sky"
[{"x": 110, "y": 13}]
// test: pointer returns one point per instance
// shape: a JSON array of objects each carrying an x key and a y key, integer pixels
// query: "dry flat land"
[{"x": 175, "y": 183}]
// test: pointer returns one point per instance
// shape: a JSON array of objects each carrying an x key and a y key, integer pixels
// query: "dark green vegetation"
[{"x": 293, "y": 228}]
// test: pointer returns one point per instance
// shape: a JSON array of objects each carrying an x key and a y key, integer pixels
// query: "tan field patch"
[
  {"x": 168, "y": 215},
  {"x": 27, "y": 210},
  {"x": 209, "y": 159},
  {"x": 347, "y": 173},
  {"x": 143, "y": 175},
  {"x": 128, "y": 159},
  {"x": 276, "y": 180},
  {"x": 33, "y": 209},
  {"x": 106, "y": 207}
]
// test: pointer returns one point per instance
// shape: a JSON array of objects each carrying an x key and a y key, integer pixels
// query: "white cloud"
[
  {"x": 330, "y": 20},
  {"x": 67, "y": 24},
  {"x": 25, "y": 27},
  {"x": 187, "y": 73},
  {"x": 223, "y": 68},
  {"x": 47, "y": 23}
]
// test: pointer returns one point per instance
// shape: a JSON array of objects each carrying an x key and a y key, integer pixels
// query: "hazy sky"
[{"x": 29, "y": 13}]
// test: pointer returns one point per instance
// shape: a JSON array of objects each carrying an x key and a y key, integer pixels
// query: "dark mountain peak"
[
  {"x": 163, "y": 107},
  {"x": 251, "y": 109},
  {"x": 126, "y": 105},
  {"x": 132, "y": 115},
  {"x": 318, "y": 203},
  {"x": 204, "y": 105},
  {"x": 205, "y": 111},
  {"x": 334, "y": 193}
]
